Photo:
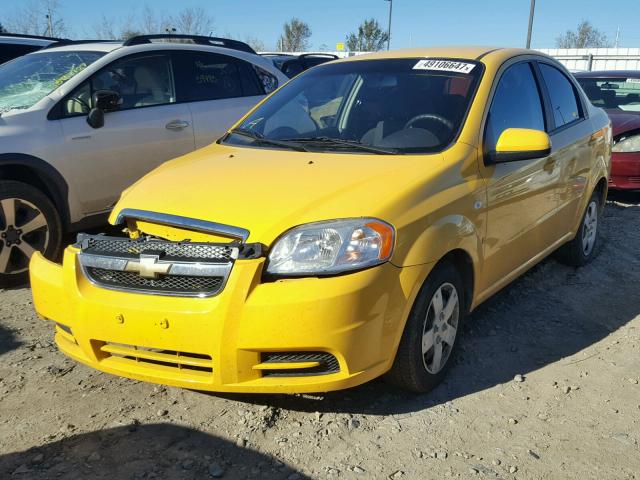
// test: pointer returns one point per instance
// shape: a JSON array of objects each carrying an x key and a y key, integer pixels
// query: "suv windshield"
[
  {"x": 27, "y": 80},
  {"x": 370, "y": 106},
  {"x": 613, "y": 93}
]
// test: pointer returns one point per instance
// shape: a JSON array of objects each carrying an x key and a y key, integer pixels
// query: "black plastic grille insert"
[
  {"x": 328, "y": 363},
  {"x": 176, "y": 284}
]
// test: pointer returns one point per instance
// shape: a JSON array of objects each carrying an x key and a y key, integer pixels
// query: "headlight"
[
  {"x": 628, "y": 144},
  {"x": 331, "y": 247}
]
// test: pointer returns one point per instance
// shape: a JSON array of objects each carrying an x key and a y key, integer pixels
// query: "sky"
[{"x": 414, "y": 22}]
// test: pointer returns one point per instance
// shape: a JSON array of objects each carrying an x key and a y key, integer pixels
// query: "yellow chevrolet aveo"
[{"x": 341, "y": 230}]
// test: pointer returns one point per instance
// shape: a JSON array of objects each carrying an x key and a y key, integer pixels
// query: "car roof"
[
  {"x": 609, "y": 74},
  {"x": 451, "y": 52},
  {"x": 12, "y": 39}
]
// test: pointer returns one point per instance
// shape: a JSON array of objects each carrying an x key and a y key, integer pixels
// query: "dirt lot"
[{"x": 573, "y": 336}]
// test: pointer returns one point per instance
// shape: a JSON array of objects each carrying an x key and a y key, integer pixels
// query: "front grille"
[
  {"x": 173, "y": 284},
  {"x": 190, "y": 362},
  {"x": 186, "y": 251},
  {"x": 156, "y": 266},
  {"x": 634, "y": 179},
  {"x": 328, "y": 363}
]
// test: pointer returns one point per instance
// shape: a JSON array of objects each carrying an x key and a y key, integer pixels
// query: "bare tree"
[
  {"x": 2, "y": 29},
  {"x": 369, "y": 38},
  {"x": 255, "y": 43},
  {"x": 193, "y": 21},
  {"x": 295, "y": 36},
  {"x": 38, "y": 17},
  {"x": 585, "y": 36}
]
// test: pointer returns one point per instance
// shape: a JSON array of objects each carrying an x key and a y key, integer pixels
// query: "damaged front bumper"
[{"x": 249, "y": 335}]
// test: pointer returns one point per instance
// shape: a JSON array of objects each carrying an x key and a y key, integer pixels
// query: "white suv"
[{"x": 81, "y": 122}]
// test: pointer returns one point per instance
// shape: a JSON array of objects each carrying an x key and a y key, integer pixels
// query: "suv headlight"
[
  {"x": 628, "y": 144},
  {"x": 331, "y": 247}
]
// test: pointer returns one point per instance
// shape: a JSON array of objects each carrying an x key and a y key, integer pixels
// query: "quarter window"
[
  {"x": 516, "y": 104},
  {"x": 209, "y": 76},
  {"x": 562, "y": 94},
  {"x": 140, "y": 81}
]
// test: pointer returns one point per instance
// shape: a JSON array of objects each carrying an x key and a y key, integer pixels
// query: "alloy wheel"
[
  {"x": 440, "y": 328},
  {"x": 590, "y": 228},
  {"x": 23, "y": 231}
]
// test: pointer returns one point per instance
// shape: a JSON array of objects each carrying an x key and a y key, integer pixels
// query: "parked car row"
[{"x": 340, "y": 230}]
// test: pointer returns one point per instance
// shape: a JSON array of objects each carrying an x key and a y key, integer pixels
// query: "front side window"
[
  {"x": 140, "y": 81},
  {"x": 205, "y": 76},
  {"x": 516, "y": 104},
  {"x": 562, "y": 95},
  {"x": 375, "y": 106},
  {"x": 613, "y": 93},
  {"x": 27, "y": 80}
]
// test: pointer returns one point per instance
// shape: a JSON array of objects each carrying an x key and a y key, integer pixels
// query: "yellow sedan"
[{"x": 342, "y": 230}]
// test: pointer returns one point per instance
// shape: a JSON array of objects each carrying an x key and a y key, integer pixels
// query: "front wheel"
[
  {"x": 29, "y": 223},
  {"x": 584, "y": 247},
  {"x": 432, "y": 332}
]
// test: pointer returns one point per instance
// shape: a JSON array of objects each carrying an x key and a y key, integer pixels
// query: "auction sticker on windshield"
[{"x": 444, "y": 65}]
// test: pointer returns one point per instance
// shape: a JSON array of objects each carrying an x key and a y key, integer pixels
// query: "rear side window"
[
  {"x": 204, "y": 76},
  {"x": 516, "y": 104},
  {"x": 564, "y": 103}
]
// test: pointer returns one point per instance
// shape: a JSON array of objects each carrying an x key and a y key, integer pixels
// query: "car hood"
[
  {"x": 269, "y": 191},
  {"x": 623, "y": 122}
]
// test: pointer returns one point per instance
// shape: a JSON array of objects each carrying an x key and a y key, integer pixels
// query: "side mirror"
[
  {"x": 517, "y": 144},
  {"x": 95, "y": 119},
  {"x": 103, "y": 101}
]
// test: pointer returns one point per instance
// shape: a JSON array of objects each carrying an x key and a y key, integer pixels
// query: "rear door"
[
  {"x": 219, "y": 90},
  {"x": 571, "y": 140},
  {"x": 149, "y": 128},
  {"x": 522, "y": 195}
]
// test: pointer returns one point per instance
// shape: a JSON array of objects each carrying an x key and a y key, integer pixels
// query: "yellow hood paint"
[{"x": 269, "y": 191}]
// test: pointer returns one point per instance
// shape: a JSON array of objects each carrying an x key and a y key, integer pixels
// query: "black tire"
[
  {"x": 575, "y": 253},
  {"x": 411, "y": 367},
  {"x": 30, "y": 208}
]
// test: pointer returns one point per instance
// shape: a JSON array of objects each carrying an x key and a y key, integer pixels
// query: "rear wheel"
[
  {"x": 430, "y": 337},
  {"x": 584, "y": 247},
  {"x": 29, "y": 223}
]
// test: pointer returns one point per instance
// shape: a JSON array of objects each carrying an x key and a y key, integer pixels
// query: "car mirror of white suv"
[{"x": 103, "y": 101}]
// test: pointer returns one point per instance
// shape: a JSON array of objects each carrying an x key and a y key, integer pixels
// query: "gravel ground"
[{"x": 547, "y": 386}]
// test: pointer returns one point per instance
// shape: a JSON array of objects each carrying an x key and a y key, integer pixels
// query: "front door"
[
  {"x": 521, "y": 196},
  {"x": 148, "y": 128}
]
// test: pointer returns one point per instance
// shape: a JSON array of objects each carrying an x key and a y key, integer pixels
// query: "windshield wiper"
[
  {"x": 259, "y": 138},
  {"x": 347, "y": 143}
]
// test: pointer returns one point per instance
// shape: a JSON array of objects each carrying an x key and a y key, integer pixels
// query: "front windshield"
[
  {"x": 27, "y": 80},
  {"x": 375, "y": 106},
  {"x": 613, "y": 93}
]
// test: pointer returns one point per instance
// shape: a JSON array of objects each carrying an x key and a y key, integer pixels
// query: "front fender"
[{"x": 452, "y": 232}]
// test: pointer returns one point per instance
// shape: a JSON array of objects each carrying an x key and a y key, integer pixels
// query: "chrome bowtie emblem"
[{"x": 148, "y": 266}]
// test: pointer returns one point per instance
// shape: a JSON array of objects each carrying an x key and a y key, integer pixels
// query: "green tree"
[
  {"x": 370, "y": 37},
  {"x": 585, "y": 36},
  {"x": 295, "y": 36}
]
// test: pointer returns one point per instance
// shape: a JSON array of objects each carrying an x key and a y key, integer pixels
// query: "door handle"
[{"x": 177, "y": 125}]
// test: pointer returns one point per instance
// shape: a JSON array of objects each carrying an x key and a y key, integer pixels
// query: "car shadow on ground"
[
  {"x": 8, "y": 340},
  {"x": 153, "y": 451},
  {"x": 534, "y": 322}
]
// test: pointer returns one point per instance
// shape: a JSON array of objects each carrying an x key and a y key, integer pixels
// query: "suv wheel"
[
  {"x": 430, "y": 337},
  {"x": 29, "y": 223},
  {"x": 584, "y": 247}
]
